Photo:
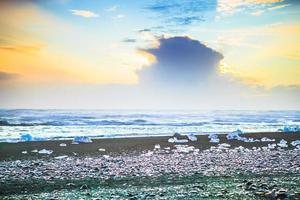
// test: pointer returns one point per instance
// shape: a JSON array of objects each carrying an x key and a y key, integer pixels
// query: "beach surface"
[
  {"x": 134, "y": 145},
  {"x": 153, "y": 168}
]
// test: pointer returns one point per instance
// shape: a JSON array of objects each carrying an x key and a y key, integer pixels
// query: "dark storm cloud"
[
  {"x": 7, "y": 76},
  {"x": 181, "y": 60}
]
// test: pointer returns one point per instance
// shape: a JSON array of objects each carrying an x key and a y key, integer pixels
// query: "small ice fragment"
[
  {"x": 157, "y": 146},
  {"x": 34, "y": 151},
  {"x": 101, "y": 149},
  {"x": 62, "y": 145},
  {"x": 82, "y": 139},
  {"x": 184, "y": 148},
  {"x": 240, "y": 148},
  {"x": 106, "y": 156},
  {"x": 60, "y": 157},
  {"x": 180, "y": 140},
  {"x": 213, "y": 136},
  {"x": 192, "y": 137},
  {"x": 295, "y": 143},
  {"x": 175, "y": 140},
  {"x": 74, "y": 142},
  {"x": 265, "y": 139},
  {"x": 264, "y": 148},
  {"x": 214, "y": 140},
  {"x": 282, "y": 143},
  {"x": 167, "y": 148},
  {"x": 224, "y": 146},
  {"x": 272, "y": 146},
  {"x": 171, "y": 140},
  {"x": 26, "y": 137},
  {"x": 149, "y": 153},
  {"x": 24, "y": 152},
  {"x": 45, "y": 151}
]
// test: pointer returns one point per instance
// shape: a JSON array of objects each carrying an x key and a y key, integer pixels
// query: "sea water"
[{"x": 59, "y": 124}]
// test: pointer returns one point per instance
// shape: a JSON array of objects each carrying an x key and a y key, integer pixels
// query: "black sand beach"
[{"x": 116, "y": 146}]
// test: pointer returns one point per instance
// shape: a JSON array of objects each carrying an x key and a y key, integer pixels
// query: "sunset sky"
[{"x": 150, "y": 54}]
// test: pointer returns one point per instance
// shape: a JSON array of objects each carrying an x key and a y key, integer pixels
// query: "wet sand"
[{"x": 119, "y": 146}]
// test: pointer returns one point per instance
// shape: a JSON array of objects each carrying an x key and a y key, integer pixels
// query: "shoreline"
[{"x": 131, "y": 145}]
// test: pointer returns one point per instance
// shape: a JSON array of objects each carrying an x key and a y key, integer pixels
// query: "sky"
[{"x": 150, "y": 54}]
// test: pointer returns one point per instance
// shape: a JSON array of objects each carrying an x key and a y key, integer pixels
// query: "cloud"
[
  {"x": 187, "y": 20},
  {"x": 257, "y": 13},
  {"x": 177, "y": 13},
  {"x": 144, "y": 30},
  {"x": 229, "y": 7},
  {"x": 112, "y": 9},
  {"x": 7, "y": 76},
  {"x": 29, "y": 49},
  {"x": 181, "y": 60},
  {"x": 84, "y": 13},
  {"x": 278, "y": 7},
  {"x": 119, "y": 16}
]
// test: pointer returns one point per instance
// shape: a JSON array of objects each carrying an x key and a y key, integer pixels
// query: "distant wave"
[{"x": 101, "y": 123}]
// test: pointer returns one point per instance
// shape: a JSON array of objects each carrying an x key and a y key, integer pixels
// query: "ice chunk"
[
  {"x": 184, "y": 149},
  {"x": 82, "y": 139},
  {"x": 282, "y": 143},
  {"x": 175, "y": 140},
  {"x": 60, "y": 157},
  {"x": 290, "y": 129},
  {"x": 105, "y": 156},
  {"x": 214, "y": 140},
  {"x": 224, "y": 146},
  {"x": 45, "y": 151},
  {"x": 234, "y": 135},
  {"x": 24, "y": 152},
  {"x": 26, "y": 137},
  {"x": 213, "y": 136},
  {"x": 265, "y": 139},
  {"x": 157, "y": 146},
  {"x": 101, "y": 149},
  {"x": 192, "y": 137},
  {"x": 295, "y": 143},
  {"x": 62, "y": 145},
  {"x": 244, "y": 139},
  {"x": 171, "y": 140},
  {"x": 34, "y": 151}
]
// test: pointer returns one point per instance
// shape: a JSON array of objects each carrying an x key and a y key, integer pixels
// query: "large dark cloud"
[
  {"x": 181, "y": 60},
  {"x": 7, "y": 76}
]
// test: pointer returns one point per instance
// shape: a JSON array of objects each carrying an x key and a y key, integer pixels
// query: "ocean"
[{"x": 61, "y": 124}]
